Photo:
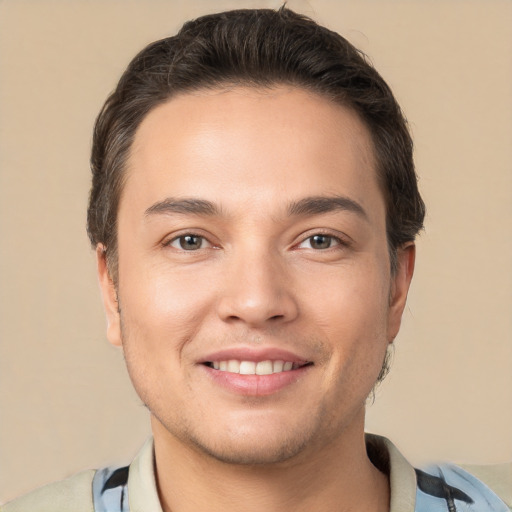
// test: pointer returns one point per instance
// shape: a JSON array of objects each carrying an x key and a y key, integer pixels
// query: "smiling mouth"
[{"x": 255, "y": 368}]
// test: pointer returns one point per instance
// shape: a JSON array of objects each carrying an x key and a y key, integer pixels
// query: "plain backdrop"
[{"x": 66, "y": 402}]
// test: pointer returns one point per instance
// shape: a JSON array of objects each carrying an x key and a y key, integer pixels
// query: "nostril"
[{"x": 252, "y": 307}]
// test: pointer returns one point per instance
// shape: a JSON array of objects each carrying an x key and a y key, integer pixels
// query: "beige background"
[{"x": 65, "y": 400}]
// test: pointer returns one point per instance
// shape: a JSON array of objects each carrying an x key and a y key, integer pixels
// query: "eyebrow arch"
[
  {"x": 317, "y": 205},
  {"x": 183, "y": 206}
]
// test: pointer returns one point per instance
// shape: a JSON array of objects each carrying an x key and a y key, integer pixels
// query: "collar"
[{"x": 143, "y": 493}]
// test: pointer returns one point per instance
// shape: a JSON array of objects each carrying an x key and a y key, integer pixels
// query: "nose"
[{"x": 258, "y": 291}]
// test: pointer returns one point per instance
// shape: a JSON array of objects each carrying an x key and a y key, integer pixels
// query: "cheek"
[
  {"x": 350, "y": 312},
  {"x": 161, "y": 313},
  {"x": 162, "y": 309},
  {"x": 350, "y": 299}
]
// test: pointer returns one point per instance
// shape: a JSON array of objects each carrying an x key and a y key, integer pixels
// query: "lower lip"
[{"x": 256, "y": 385}]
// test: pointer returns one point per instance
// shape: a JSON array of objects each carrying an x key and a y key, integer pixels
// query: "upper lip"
[{"x": 254, "y": 354}]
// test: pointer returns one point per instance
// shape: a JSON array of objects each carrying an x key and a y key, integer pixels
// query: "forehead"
[{"x": 247, "y": 143}]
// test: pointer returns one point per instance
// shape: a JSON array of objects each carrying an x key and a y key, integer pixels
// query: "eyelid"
[
  {"x": 335, "y": 239},
  {"x": 341, "y": 239},
  {"x": 168, "y": 241}
]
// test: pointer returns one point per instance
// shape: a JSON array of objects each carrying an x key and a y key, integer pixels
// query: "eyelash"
[
  {"x": 170, "y": 242},
  {"x": 338, "y": 242}
]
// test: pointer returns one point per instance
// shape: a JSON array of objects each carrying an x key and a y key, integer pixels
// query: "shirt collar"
[{"x": 143, "y": 494}]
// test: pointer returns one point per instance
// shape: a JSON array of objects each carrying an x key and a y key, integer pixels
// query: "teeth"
[
  {"x": 278, "y": 366},
  {"x": 247, "y": 368},
  {"x": 233, "y": 366},
  {"x": 252, "y": 368},
  {"x": 264, "y": 368}
]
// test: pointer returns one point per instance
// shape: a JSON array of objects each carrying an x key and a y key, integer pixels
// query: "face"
[{"x": 255, "y": 296}]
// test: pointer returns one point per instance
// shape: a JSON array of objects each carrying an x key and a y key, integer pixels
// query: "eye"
[
  {"x": 189, "y": 242},
  {"x": 320, "y": 242}
]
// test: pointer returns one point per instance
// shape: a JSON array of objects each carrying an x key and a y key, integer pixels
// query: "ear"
[
  {"x": 109, "y": 295},
  {"x": 400, "y": 283}
]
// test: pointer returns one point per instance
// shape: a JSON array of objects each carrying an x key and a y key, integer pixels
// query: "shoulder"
[
  {"x": 441, "y": 487},
  {"x": 74, "y": 493},
  {"x": 102, "y": 490},
  {"x": 497, "y": 477},
  {"x": 477, "y": 488}
]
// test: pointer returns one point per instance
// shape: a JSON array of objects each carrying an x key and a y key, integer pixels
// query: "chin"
[
  {"x": 252, "y": 452},
  {"x": 247, "y": 443}
]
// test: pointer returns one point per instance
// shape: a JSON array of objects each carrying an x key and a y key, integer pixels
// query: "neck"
[{"x": 338, "y": 477}]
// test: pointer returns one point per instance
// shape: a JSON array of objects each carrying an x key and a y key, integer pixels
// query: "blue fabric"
[
  {"x": 110, "y": 490},
  {"x": 440, "y": 488},
  {"x": 448, "y": 488}
]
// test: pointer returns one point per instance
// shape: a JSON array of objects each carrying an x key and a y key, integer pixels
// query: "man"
[{"x": 253, "y": 209}]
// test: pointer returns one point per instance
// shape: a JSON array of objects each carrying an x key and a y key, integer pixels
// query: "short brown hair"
[{"x": 260, "y": 48}]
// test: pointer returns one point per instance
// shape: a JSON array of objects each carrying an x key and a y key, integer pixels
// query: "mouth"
[
  {"x": 255, "y": 371},
  {"x": 267, "y": 367}
]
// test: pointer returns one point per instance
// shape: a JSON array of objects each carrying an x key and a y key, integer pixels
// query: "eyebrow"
[
  {"x": 183, "y": 206},
  {"x": 317, "y": 205},
  {"x": 314, "y": 205}
]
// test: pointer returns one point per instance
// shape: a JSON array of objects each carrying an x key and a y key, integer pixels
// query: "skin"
[{"x": 256, "y": 279}]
